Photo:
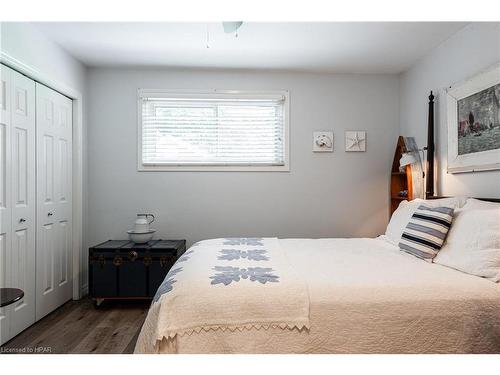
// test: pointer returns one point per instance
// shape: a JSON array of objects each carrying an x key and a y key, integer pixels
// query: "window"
[{"x": 216, "y": 130}]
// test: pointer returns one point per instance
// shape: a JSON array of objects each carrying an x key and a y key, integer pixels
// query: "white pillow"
[
  {"x": 472, "y": 203},
  {"x": 401, "y": 217},
  {"x": 473, "y": 243}
]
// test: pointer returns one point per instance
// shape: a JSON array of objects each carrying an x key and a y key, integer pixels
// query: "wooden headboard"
[
  {"x": 429, "y": 173},
  {"x": 494, "y": 200}
]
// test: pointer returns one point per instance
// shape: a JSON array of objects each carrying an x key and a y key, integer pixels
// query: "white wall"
[
  {"x": 324, "y": 195},
  {"x": 25, "y": 43},
  {"x": 471, "y": 50}
]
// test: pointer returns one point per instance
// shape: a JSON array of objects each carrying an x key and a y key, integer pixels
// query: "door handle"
[
  {"x": 50, "y": 214},
  {"x": 22, "y": 220}
]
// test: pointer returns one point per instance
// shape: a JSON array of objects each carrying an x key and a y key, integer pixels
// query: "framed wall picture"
[
  {"x": 323, "y": 141},
  {"x": 355, "y": 141},
  {"x": 473, "y": 117}
]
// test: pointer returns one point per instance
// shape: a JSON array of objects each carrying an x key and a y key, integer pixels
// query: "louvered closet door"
[
  {"x": 17, "y": 166},
  {"x": 54, "y": 187}
]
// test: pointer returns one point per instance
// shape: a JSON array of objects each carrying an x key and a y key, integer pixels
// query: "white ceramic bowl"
[
  {"x": 141, "y": 237},
  {"x": 141, "y": 228}
]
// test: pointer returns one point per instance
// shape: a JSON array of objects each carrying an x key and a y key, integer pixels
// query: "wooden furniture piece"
[
  {"x": 125, "y": 270},
  {"x": 400, "y": 181},
  {"x": 8, "y": 296}
]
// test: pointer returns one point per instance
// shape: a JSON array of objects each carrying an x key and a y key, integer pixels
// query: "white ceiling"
[{"x": 319, "y": 47}]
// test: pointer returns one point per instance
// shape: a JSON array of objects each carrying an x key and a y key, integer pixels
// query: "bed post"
[{"x": 429, "y": 182}]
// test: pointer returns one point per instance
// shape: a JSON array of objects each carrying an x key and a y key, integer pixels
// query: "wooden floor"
[{"x": 77, "y": 327}]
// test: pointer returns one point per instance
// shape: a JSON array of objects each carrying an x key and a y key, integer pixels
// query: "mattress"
[{"x": 366, "y": 296}]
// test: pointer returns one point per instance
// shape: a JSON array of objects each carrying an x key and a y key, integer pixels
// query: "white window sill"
[{"x": 213, "y": 168}]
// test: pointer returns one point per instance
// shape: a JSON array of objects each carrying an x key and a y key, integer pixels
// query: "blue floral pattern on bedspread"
[
  {"x": 233, "y": 254},
  {"x": 185, "y": 256},
  {"x": 243, "y": 241},
  {"x": 167, "y": 284},
  {"x": 226, "y": 275}
]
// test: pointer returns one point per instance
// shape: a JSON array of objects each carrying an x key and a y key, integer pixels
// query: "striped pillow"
[{"x": 426, "y": 231}]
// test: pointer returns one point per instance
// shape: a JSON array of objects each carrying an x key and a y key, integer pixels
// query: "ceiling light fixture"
[
  {"x": 208, "y": 38},
  {"x": 229, "y": 27},
  {"x": 232, "y": 27}
]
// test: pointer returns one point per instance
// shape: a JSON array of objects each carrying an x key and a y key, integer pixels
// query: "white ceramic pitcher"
[{"x": 142, "y": 223}]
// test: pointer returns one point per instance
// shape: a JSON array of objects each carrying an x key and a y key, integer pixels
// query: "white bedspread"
[
  {"x": 366, "y": 296},
  {"x": 227, "y": 284}
]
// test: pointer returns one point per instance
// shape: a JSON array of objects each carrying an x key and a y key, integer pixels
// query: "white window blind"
[{"x": 212, "y": 129}]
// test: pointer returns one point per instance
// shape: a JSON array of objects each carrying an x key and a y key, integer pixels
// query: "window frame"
[{"x": 214, "y": 168}]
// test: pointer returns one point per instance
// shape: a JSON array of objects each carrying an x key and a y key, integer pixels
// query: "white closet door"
[
  {"x": 5, "y": 193},
  {"x": 22, "y": 269},
  {"x": 54, "y": 200},
  {"x": 18, "y": 184}
]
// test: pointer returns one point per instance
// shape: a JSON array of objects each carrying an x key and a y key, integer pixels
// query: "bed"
[
  {"x": 358, "y": 295},
  {"x": 363, "y": 296}
]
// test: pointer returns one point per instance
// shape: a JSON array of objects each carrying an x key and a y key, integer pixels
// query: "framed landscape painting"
[{"x": 473, "y": 116}]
